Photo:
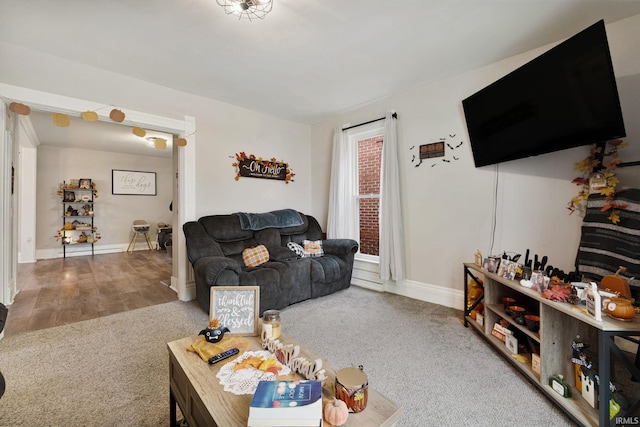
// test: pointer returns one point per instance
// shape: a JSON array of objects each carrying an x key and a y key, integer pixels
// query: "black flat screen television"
[{"x": 564, "y": 98}]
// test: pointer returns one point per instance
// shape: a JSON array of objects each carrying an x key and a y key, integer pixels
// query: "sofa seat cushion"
[
  {"x": 328, "y": 268},
  {"x": 279, "y": 253},
  {"x": 274, "y": 279}
]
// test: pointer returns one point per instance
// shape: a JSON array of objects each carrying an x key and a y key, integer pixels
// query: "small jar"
[{"x": 271, "y": 323}]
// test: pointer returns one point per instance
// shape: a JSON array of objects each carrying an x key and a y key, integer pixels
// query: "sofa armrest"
[
  {"x": 340, "y": 247},
  {"x": 208, "y": 270}
]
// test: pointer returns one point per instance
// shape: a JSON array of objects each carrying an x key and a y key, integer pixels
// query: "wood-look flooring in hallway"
[{"x": 58, "y": 291}]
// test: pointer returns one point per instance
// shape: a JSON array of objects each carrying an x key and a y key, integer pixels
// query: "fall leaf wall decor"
[{"x": 595, "y": 169}]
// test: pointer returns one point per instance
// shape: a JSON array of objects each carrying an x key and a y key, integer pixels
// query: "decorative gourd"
[
  {"x": 621, "y": 309},
  {"x": 336, "y": 412}
]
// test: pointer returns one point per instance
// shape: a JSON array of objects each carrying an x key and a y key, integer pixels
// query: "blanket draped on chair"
[{"x": 274, "y": 219}]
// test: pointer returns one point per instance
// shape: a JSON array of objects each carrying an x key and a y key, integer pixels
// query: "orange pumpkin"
[
  {"x": 336, "y": 412},
  {"x": 621, "y": 309}
]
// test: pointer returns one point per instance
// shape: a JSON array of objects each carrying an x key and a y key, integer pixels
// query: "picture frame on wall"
[{"x": 133, "y": 183}]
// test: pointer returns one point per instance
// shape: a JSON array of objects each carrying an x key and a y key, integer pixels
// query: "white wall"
[
  {"x": 114, "y": 214},
  {"x": 448, "y": 208},
  {"x": 221, "y": 130},
  {"x": 26, "y": 187}
]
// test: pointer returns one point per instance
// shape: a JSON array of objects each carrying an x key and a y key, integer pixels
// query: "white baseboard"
[
  {"x": 365, "y": 275},
  {"x": 447, "y": 297},
  {"x": 190, "y": 291},
  {"x": 83, "y": 250}
]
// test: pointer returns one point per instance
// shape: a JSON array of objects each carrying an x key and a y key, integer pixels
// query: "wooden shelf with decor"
[
  {"x": 78, "y": 228},
  {"x": 560, "y": 323}
]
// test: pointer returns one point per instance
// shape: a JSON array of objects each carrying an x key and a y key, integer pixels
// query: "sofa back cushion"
[
  {"x": 312, "y": 231},
  {"x": 224, "y": 228}
]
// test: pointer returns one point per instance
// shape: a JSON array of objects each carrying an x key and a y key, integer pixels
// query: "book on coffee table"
[{"x": 286, "y": 403}]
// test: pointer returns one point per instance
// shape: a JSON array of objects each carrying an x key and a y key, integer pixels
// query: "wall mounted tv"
[{"x": 564, "y": 98}]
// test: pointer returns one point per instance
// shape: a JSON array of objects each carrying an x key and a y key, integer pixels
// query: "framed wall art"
[{"x": 133, "y": 183}]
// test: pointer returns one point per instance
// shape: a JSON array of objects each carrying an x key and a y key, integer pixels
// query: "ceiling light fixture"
[{"x": 249, "y": 9}]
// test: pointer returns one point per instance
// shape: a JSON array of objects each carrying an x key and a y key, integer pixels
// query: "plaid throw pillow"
[
  {"x": 253, "y": 257},
  {"x": 299, "y": 250},
  {"x": 313, "y": 248}
]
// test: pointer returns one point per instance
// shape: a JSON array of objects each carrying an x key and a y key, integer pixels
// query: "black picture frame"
[
  {"x": 84, "y": 184},
  {"x": 69, "y": 196}
]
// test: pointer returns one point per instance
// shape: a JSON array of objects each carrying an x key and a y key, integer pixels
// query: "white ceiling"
[{"x": 308, "y": 59}]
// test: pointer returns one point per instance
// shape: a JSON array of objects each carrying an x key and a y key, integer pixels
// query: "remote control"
[{"x": 223, "y": 355}]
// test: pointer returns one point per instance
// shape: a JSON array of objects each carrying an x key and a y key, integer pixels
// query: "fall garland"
[{"x": 594, "y": 164}]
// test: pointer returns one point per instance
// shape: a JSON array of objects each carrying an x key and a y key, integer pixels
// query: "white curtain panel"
[
  {"x": 391, "y": 229},
  {"x": 342, "y": 221}
]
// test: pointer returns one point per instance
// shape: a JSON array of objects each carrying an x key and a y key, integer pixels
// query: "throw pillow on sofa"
[
  {"x": 299, "y": 250},
  {"x": 313, "y": 248},
  {"x": 255, "y": 256}
]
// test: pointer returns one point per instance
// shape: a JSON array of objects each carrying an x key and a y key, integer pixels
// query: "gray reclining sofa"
[{"x": 215, "y": 244}]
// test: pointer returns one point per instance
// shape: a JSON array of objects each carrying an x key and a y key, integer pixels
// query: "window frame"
[{"x": 355, "y": 135}]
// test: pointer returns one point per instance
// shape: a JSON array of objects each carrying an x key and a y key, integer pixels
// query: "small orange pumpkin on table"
[{"x": 336, "y": 412}]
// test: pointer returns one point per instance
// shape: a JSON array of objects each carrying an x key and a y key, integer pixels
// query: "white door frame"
[{"x": 184, "y": 209}]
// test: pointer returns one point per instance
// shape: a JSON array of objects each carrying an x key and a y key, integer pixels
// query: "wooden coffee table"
[{"x": 203, "y": 402}]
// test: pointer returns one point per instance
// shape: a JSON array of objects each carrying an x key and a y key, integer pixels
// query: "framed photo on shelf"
[
  {"x": 508, "y": 269},
  {"x": 494, "y": 263},
  {"x": 539, "y": 282},
  {"x": 512, "y": 343},
  {"x": 69, "y": 196},
  {"x": 84, "y": 184},
  {"x": 502, "y": 269}
]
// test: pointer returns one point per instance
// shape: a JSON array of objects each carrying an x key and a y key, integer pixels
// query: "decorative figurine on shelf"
[
  {"x": 478, "y": 258},
  {"x": 214, "y": 332}
]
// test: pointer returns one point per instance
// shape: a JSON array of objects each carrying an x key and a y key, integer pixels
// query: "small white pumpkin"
[{"x": 336, "y": 412}]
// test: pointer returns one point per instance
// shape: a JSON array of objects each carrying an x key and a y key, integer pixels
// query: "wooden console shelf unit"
[{"x": 559, "y": 325}]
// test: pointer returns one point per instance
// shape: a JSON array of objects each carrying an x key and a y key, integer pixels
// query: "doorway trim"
[{"x": 184, "y": 209}]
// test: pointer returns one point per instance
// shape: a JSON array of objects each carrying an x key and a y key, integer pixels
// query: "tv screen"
[{"x": 564, "y": 98}]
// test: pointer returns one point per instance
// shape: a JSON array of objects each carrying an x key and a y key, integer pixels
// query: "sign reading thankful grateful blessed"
[{"x": 236, "y": 307}]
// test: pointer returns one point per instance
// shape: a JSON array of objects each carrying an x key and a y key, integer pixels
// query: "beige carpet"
[{"x": 113, "y": 371}]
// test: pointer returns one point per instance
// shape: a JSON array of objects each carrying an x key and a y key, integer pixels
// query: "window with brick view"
[{"x": 369, "y": 162}]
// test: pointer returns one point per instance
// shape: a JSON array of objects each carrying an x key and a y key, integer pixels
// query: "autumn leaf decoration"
[
  {"x": 242, "y": 156},
  {"x": 592, "y": 164}
]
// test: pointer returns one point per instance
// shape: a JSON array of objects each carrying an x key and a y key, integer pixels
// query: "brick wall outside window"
[{"x": 369, "y": 159}]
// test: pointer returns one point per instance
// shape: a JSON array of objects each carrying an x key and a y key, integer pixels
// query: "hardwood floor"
[{"x": 65, "y": 290}]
